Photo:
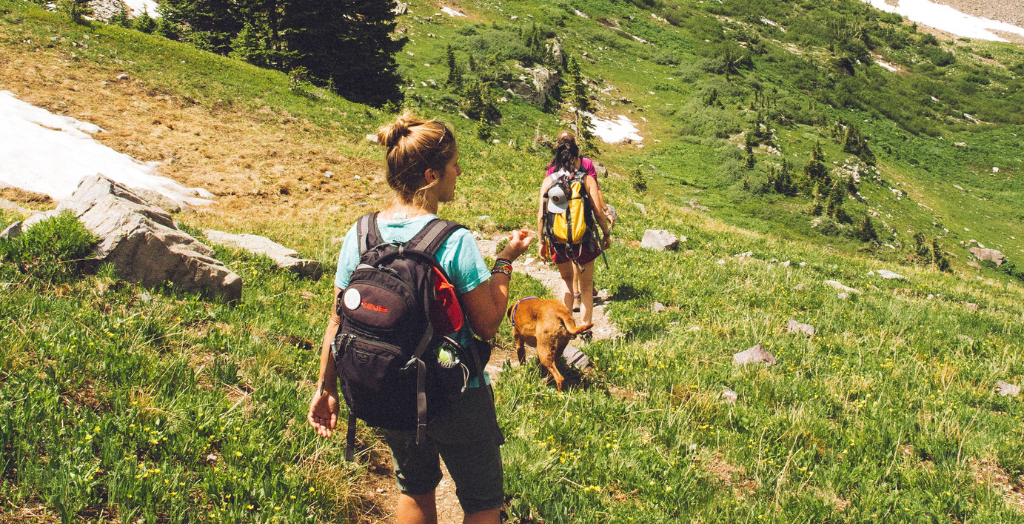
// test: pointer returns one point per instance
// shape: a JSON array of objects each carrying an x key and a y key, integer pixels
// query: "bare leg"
[
  {"x": 416, "y": 509},
  {"x": 565, "y": 270},
  {"x": 587, "y": 291},
  {"x": 489, "y": 516}
]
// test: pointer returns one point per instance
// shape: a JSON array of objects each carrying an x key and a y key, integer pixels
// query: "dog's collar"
[{"x": 516, "y": 306}]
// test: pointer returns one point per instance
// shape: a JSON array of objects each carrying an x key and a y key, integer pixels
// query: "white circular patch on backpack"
[{"x": 352, "y": 299}]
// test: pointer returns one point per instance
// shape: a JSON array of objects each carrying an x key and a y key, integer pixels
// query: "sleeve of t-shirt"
[
  {"x": 588, "y": 164},
  {"x": 348, "y": 259},
  {"x": 461, "y": 259}
]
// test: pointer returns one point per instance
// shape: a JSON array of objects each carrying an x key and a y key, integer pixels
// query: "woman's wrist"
[{"x": 502, "y": 266}]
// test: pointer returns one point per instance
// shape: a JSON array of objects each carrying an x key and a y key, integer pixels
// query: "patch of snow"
[
  {"x": 453, "y": 13},
  {"x": 887, "y": 65},
  {"x": 947, "y": 19},
  {"x": 773, "y": 24},
  {"x": 615, "y": 130},
  {"x": 136, "y": 7},
  {"x": 51, "y": 154},
  {"x": 580, "y": 13}
]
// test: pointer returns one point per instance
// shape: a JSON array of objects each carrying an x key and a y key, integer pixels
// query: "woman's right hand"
[{"x": 323, "y": 412}]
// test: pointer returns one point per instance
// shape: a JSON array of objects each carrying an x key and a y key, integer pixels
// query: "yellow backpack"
[{"x": 569, "y": 214}]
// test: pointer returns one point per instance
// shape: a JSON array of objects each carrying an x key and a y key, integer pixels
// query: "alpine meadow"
[{"x": 842, "y": 181}]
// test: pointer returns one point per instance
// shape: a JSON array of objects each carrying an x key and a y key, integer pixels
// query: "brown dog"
[{"x": 547, "y": 325}]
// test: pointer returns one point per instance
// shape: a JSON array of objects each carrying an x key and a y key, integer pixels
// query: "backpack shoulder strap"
[
  {"x": 433, "y": 236},
  {"x": 368, "y": 233}
]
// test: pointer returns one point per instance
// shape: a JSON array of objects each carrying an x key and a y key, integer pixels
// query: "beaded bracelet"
[{"x": 502, "y": 266}]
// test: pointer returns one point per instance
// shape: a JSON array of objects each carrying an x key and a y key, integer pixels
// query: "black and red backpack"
[{"x": 396, "y": 364}]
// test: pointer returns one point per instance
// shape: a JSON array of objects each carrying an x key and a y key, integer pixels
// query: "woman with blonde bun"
[{"x": 422, "y": 168}]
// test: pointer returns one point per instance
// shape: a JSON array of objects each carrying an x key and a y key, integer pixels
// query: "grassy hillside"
[{"x": 122, "y": 403}]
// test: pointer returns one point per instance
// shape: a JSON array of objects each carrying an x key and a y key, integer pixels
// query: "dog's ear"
[{"x": 508, "y": 312}]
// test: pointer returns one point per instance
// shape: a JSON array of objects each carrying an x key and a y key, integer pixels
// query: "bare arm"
[
  {"x": 485, "y": 304},
  {"x": 540, "y": 217},
  {"x": 323, "y": 409}
]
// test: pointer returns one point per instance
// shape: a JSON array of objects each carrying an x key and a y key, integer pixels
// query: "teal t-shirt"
[{"x": 459, "y": 256}]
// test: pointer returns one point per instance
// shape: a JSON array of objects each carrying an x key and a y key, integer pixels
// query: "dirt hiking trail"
[{"x": 448, "y": 509}]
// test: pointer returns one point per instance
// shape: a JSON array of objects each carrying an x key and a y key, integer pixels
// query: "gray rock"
[
  {"x": 659, "y": 307},
  {"x": 600, "y": 169},
  {"x": 754, "y": 355},
  {"x": 284, "y": 257},
  {"x": 889, "y": 275},
  {"x": 574, "y": 357},
  {"x": 785, "y": 264},
  {"x": 730, "y": 396},
  {"x": 536, "y": 84},
  {"x": 641, "y": 207},
  {"x": 157, "y": 200},
  {"x": 844, "y": 296},
  {"x": 796, "y": 327},
  {"x": 1005, "y": 388},
  {"x": 7, "y": 205},
  {"x": 839, "y": 285},
  {"x": 659, "y": 239},
  {"x": 12, "y": 231},
  {"x": 142, "y": 242},
  {"x": 988, "y": 254},
  {"x": 613, "y": 214},
  {"x": 558, "y": 54}
]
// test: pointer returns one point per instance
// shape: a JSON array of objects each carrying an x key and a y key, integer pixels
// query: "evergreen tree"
[
  {"x": 472, "y": 63},
  {"x": 575, "y": 94},
  {"x": 939, "y": 259},
  {"x": 834, "y": 202},
  {"x": 784, "y": 180},
  {"x": 144, "y": 23},
  {"x": 76, "y": 10},
  {"x": 815, "y": 170},
  {"x": 454, "y": 71},
  {"x": 120, "y": 18},
  {"x": 217, "y": 21},
  {"x": 866, "y": 230},
  {"x": 348, "y": 43}
]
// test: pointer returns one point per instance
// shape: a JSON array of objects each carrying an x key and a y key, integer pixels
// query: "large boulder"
[
  {"x": 659, "y": 239},
  {"x": 142, "y": 242},
  {"x": 988, "y": 254},
  {"x": 535, "y": 84},
  {"x": 284, "y": 257}
]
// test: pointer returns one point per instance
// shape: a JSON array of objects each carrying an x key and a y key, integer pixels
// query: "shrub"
[
  {"x": 54, "y": 251},
  {"x": 638, "y": 180}
]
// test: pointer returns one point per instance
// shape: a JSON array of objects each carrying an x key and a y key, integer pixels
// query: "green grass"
[{"x": 114, "y": 397}]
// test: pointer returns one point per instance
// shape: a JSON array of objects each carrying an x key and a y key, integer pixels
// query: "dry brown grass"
[{"x": 266, "y": 167}]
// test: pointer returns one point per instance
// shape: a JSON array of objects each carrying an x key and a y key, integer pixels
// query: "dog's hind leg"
[
  {"x": 546, "y": 353},
  {"x": 521, "y": 350}
]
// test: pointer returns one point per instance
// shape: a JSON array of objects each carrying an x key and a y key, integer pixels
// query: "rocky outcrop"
[
  {"x": 659, "y": 239},
  {"x": 535, "y": 84},
  {"x": 142, "y": 242},
  {"x": 7, "y": 205},
  {"x": 284, "y": 257},
  {"x": 988, "y": 254}
]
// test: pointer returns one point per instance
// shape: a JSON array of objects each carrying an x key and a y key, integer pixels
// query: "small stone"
[
  {"x": 122, "y": 77},
  {"x": 971, "y": 306},
  {"x": 659, "y": 239},
  {"x": 889, "y": 275},
  {"x": 144, "y": 297},
  {"x": 803, "y": 264},
  {"x": 838, "y": 285},
  {"x": 574, "y": 357},
  {"x": 796, "y": 327},
  {"x": 694, "y": 328},
  {"x": 754, "y": 355},
  {"x": 729, "y": 396},
  {"x": 844, "y": 296},
  {"x": 371, "y": 138},
  {"x": 785, "y": 264},
  {"x": 641, "y": 207},
  {"x": 328, "y": 174},
  {"x": 211, "y": 458},
  {"x": 659, "y": 307},
  {"x": 1005, "y": 388}
]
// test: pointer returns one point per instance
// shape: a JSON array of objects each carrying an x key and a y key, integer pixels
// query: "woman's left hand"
[{"x": 518, "y": 243}]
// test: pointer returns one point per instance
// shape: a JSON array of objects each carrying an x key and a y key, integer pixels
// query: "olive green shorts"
[{"x": 466, "y": 438}]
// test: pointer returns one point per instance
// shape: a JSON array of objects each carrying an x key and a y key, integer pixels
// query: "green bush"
[{"x": 54, "y": 251}]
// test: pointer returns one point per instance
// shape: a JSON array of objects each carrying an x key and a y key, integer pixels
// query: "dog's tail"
[{"x": 570, "y": 324}]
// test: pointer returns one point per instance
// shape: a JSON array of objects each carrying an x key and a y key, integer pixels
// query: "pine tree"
[
  {"x": 454, "y": 71},
  {"x": 348, "y": 43},
  {"x": 866, "y": 230},
  {"x": 815, "y": 170},
  {"x": 575, "y": 94}
]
